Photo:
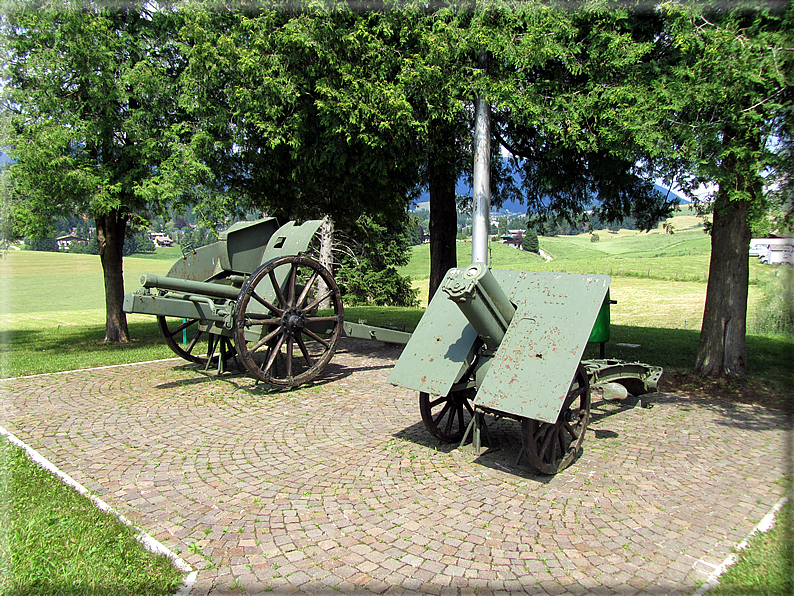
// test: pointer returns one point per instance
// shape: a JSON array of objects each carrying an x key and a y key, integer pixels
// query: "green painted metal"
[
  {"x": 440, "y": 349},
  {"x": 528, "y": 371},
  {"x": 205, "y": 282},
  {"x": 360, "y": 331},
  {"x": 216, "y": 290},
  {"x": 481, "y": 299},
  {"x": 200, "y": 264},
  {"x": 636, "y": 377},
  {"x": 243, "y": 245},
  {"x": 532, "y": 370},
  {"x": 600, "y": 332},
  {"x": 197, "y": 308},
  {"x": 291, "y": 239}
]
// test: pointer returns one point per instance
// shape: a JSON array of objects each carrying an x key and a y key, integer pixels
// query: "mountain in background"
[{"x": 516, "y": 208}]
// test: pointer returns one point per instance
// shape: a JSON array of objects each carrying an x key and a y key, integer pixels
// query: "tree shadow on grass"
[{"x": 61, "y": 341}]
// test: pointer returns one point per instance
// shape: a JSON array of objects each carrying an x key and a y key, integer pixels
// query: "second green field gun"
[{"x": 255, "y": 295}]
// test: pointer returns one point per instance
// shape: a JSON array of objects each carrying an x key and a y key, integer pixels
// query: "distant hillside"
[{"x": 515, "y": 207}]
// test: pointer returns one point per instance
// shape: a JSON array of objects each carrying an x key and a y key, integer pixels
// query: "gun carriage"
[
  {"x": 256, "y": 296},
  {"x": 510, "y": 343},
  {"x": 507, "y": 343}
]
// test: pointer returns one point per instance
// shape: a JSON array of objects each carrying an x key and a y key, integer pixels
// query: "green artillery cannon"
[
  {"x": 510, "y": 343},
  {"x": 255, "y": 296}
]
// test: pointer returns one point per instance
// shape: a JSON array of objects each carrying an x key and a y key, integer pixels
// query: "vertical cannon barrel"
[{"x": 482, "y": 301}]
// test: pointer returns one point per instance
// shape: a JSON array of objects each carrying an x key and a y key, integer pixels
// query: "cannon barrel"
[
  {"x": 176, "y": 284},
  {"x": 482, "y": 301}
]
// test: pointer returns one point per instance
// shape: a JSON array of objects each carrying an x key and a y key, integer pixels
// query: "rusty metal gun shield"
[
  {"x": 532, "y": 369},
  {"x": 439, "y": 351}
]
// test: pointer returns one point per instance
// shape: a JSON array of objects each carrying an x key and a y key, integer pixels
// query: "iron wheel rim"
[
  {"x": 552, "y": 447},
  {"x": 288, "y": 352},
  {"x": 445, "y": 417}
]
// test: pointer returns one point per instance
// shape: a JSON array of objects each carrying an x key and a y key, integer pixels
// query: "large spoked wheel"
[
  {"x": 446, "y": 417},
  {"x": 550, "y": 448},
  {"x": 187, "y": 339},
  {"x": 280, "y": 337}
]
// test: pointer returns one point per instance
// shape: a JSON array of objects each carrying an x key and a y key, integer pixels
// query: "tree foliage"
[
  {"x": 569, "y": 106},
  {"x": 301, "y": 112},
  {"x": 598, "y": 102},
  {"x": 311, "y": 110},
  {"x": 90, "y": 121},
  {"x": 368, "y": 264},
  {"x": 139, "y": 243},
  {"x": 531, "y": 243},
  {"x": 725, "y": 91}
]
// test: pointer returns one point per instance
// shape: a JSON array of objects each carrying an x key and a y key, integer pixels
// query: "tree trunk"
[
  {"x": 326, "y": 256},
  {"x": 722, "y": 349},
  {"x": 111, "y": 230},
  {"x": 443, "y": 224}
]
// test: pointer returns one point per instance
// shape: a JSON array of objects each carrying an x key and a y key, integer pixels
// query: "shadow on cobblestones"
[
  {"x": 501, "y": 455},
  {"x": 739, "y": 416},
  {"x": 240, "y": 379},
  {"x": 337, "y": 487}
]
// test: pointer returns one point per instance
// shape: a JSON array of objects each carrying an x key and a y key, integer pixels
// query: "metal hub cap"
[{"x": 293, "y": 321}]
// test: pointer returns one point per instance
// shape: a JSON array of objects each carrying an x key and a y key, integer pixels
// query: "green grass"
[
  {"x": 52, "y": 312},
  {"x": 32, "y": 347},
  {"x": 774, "y": 312},
  {"x": 75, "y": 342},
  {"x": 54, "y": 541},
  {"x": 404, "y": 319},
  {"x": 683, "y": 256},
  {"x": 766, "y": 566},
  {"x": 39, "y": 282}
]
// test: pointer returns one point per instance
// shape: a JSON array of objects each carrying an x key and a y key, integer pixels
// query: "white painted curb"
[
  {"x": 763, "y": 526},
  {"x": 66, "y": 372},
  {"x": 148, "y": 542}
]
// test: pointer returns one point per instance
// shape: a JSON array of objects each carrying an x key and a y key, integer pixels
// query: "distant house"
[
  {"x": 514, "y": 238},
  {"x": 160, "y": 239},
  {"x": 64, "y": 242}
]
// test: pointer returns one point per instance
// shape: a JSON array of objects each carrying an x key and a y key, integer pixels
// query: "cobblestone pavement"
[{"x": 338, "y": 488}]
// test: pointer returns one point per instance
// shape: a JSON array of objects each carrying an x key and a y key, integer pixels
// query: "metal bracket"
[{"x": 477, "y": 428}]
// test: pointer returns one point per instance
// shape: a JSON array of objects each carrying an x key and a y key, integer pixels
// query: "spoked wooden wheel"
[
  {"x": 446, "y": 417},
  {"x": 280, "y": 337},
  {"x": 188, "y": 340},
  {"x": 550, "y": 448}
]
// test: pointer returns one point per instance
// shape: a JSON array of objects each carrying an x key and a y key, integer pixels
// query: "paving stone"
[{"x": 337, "y": 488}]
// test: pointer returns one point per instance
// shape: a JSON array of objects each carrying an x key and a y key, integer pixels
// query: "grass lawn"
[
  {"x": 36, "y": 282},
  {"x": 52, "y": 312},
  {"x": 766, "y": 566},
  {"x": 55, "y": 541},
  {"x": 52, "y": 539}
]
